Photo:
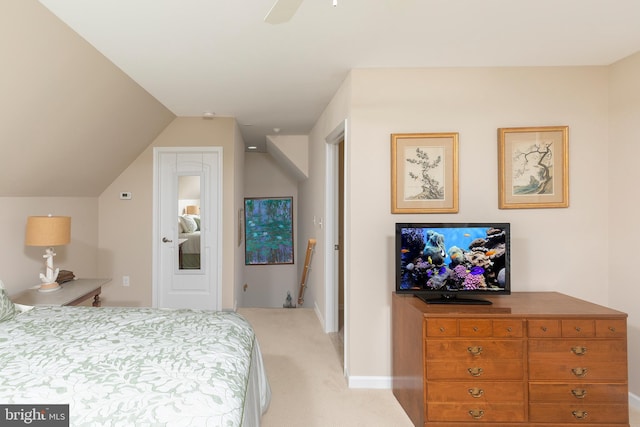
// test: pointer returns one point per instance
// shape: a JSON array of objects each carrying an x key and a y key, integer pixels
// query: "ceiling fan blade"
[{"x": 282, "y": 11}]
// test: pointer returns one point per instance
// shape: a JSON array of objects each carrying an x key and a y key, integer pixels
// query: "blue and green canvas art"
[{"x": 268, "y": 230}]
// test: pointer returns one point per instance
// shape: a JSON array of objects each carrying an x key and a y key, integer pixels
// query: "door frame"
[
  {"x": 332, "y": 215},
  {"x": 217, "y": 202}
]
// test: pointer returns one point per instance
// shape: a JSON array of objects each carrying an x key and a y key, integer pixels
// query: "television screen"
[{"x": 444, "y": 262}]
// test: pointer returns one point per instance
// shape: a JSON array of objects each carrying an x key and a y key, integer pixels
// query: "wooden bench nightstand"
[{"x": 71, "y": 293}]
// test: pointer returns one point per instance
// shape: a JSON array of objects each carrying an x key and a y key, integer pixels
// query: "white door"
[{"x": 187, "y": 226}]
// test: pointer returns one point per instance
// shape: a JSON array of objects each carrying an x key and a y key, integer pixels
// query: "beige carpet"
[{"x": 305, "y": 374}]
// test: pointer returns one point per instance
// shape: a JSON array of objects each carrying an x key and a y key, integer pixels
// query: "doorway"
[
  {"x": 336, "y": 296},
  {"x": 187, "y": 215}
]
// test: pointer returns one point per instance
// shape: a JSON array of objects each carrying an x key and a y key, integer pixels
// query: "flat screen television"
[{"x": 447, "y": 262}]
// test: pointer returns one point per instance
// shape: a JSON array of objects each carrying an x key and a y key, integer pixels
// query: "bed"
[
  {"x": 121, "y": 366},
  {"x": 189, "y": 250},
  {"x": 189, "y": 238}
]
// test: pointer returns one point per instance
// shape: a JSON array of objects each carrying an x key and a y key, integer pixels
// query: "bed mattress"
[{"x": 135, "y": 366}]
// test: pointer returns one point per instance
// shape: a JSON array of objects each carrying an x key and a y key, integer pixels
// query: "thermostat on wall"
[{"x": 125, "y": 195}]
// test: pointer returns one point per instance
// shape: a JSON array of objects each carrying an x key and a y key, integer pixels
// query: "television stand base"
[{"x": 453, "y": 299}]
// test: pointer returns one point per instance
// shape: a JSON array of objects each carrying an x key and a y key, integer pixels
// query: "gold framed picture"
[
  {"x": 533, "y": 167},
  {"x": 424, "y": 173}
]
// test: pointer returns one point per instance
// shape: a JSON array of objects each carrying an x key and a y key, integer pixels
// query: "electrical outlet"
[
  {"x": 125, "y": 280},
  {"x": 126, "y": 195}
]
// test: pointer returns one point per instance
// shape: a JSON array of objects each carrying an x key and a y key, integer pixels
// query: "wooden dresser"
[{"x": 529, "y": 359}]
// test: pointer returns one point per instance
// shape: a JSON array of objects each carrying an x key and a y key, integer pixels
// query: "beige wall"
[
  {"x": 473, "y": 102},
  {"x": 267, "y": 285},
  {"x": 125, "y": 230},
  {"x": 312, "y": 195},
  {"x": 624, "y": 174},
  {"x": 20, "y": 265}
]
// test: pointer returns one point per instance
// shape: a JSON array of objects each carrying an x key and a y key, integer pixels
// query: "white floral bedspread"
[{"x": 129, "y": 366}]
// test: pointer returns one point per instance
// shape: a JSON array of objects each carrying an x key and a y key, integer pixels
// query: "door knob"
[{"x": 165, "y": 240}]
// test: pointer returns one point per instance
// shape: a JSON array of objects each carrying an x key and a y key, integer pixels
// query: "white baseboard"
[
  {"x": 634, "y": 400},
  {"x": 370, "y": 382},
  {"x": 320, "y": 316}
]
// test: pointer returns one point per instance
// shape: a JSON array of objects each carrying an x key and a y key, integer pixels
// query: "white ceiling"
[{"x": 219, "y": 56}]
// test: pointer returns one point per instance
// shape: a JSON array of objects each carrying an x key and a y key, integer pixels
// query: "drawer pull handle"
[
  {"x": 544, "y": 328},
  {"x": 475, "y": 329},
  {"x": 441, "y": 328},
  {"x": 578, "y": 328},
  {"x": 476, "y": 350},
  {"x": 579, "y": 393},
  {"x": 612, "y": 328},
  {"x": 580, "y": 415},
  {"x": 579, "y": 372},
  {"x": 509, "y": 329},
  {"x": 476, "y": 413},
  {"x": 475, "y": 372},
  {"x": 579, "y": 351},
  {"x": 476, "y": 392}
]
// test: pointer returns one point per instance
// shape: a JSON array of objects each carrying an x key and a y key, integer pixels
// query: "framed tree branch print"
[
  {"x": 424, "y": 173},
  {"x": 533, "y": 167}
]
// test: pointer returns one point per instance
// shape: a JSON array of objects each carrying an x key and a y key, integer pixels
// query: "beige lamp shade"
[
  {"x": 48, "y": 230},
  {"x": 192, "y": 210}
]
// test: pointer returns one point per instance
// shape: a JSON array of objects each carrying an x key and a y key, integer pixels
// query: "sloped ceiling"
[
  {"x": 70, "y": 120},
  {"x": 80, "y": 100}
]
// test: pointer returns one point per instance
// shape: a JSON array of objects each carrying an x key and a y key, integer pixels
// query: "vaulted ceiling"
[
  {"x": 104, "y": 93},
  {"x": 70, "y": 120}
]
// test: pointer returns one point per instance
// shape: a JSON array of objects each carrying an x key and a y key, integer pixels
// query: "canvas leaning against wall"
[{"x": 268, "y": 230}]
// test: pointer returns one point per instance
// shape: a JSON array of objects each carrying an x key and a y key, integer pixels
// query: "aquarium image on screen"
[{"x": 452, "y": 258}]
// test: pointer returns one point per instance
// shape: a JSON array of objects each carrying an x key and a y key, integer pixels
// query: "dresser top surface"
[{"x": 529, "y": 304}]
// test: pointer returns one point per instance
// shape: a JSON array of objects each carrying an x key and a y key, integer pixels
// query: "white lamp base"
[{"x": 49, "y": 287}]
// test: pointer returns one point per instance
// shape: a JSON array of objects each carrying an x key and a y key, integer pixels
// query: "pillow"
[
  {"x": 188, "y": 224},
  {"x": 7, "y": 309},
  {"x": 196, "y": 218}
]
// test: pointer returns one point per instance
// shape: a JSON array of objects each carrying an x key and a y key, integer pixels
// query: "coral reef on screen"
[{"x": 453, "y": 259}]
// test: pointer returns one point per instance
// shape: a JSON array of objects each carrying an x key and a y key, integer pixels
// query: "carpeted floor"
[{"x": 306, "y": 376}]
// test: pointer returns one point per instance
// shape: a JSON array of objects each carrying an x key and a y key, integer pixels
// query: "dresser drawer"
[
  {"x": 578, "y": 328},
  {"x": 578, "y": 393},
  {"x": 509, "y": 328},
  {"x": 611, "y": 328},
  {"x": 609, "y": 413},
  {"x": 474, "y": 349},
  {"x": 566, "y": 371},
  {"x": 475, "y": 391},
  {"x": 441, "y": 328},
  {"x": 475, "y": 327},
  {"x": 480, "y": 412},
  {"x": 572, "y": 350},
  {"x": 498, "y": 328},
  {"x": 572, "y": 328},
  {"x": 503, "y": 369},
  {"x": 544, "y": 328}
]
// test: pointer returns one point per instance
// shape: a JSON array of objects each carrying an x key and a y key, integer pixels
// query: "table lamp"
[{"x": 48, "y": 231}]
